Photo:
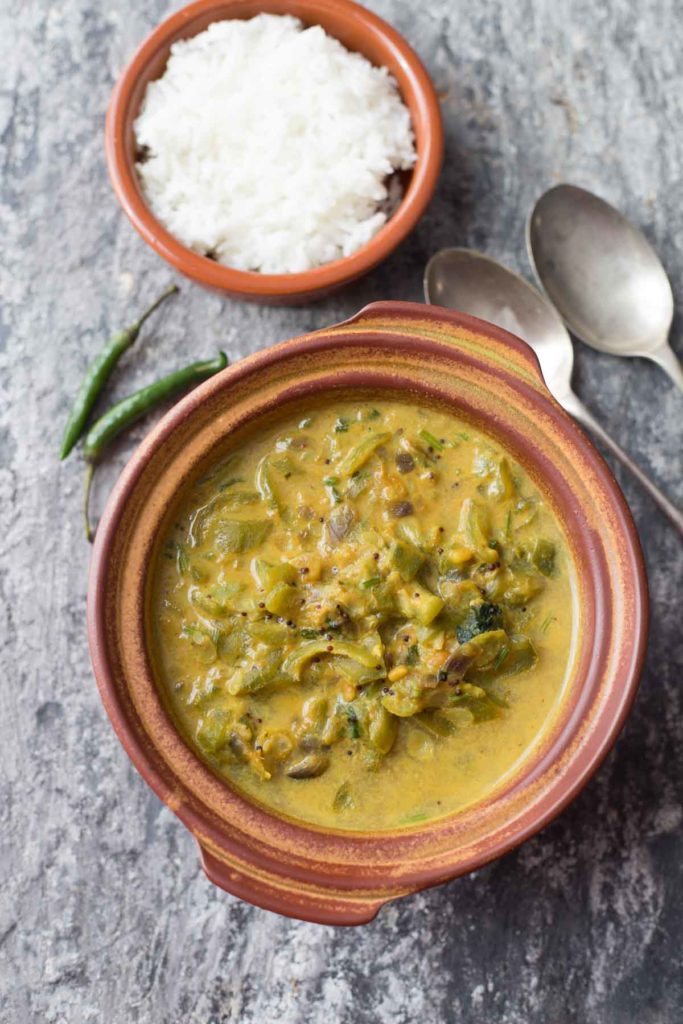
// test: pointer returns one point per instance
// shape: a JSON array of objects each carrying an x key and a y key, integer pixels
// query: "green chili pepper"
[
  {"x": 130, "y": 409},
  {"x": 98, "y": 374}
]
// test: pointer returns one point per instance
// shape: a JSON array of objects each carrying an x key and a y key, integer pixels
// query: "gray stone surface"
[{"x": 105, "y": 915}]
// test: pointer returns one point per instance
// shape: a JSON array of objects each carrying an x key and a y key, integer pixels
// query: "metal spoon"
[
  {"x": 469, "y": 281},
  {"x": 603, "y": 276}
]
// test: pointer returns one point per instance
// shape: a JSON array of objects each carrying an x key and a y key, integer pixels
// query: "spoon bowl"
[
  {"x": 476, "y": 284},
  {"x": 602, "y": 275}
]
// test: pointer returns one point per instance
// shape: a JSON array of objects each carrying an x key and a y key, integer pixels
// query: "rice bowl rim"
[{"x": 358, "y": 30}]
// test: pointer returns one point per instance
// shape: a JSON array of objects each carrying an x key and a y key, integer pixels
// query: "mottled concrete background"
[{"x": 105, "y": 915}]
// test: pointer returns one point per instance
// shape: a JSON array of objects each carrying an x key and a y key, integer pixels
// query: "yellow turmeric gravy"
[{"x": 362, "y": 618}]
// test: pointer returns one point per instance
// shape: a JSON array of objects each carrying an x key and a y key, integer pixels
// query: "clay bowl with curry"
[{"x": 367, "y": 610}]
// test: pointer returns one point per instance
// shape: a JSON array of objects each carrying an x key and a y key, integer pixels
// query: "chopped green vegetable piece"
[
  {"x": 477, "y": 702},
  {"x": 267, "y": 575},
  {"x": 238, "y": 498},
  {"x": 357, "y": 674},
  {"x": 339, "y": 524},
  {"x": 211, "y": 733},
  {"x": 417, "y": 603},
  {"x": 502, "y": 655},
  {"x": 281, "y": 598},
  {"x": 543, "y": 556},
  {"x": 237, "y": 535},
  {"x": 405, "y": 698},
  {"x": 203, "y": 641},
  {"x": 502, "y": 484},
  {"x": 204, "y": 517},
  {"x": 356, "y": 458},
  {"x": 296, "y": 661},
  {"x": 265, "y": 485},
  {"x": 358, "y": 483},
  {"x": 330, "y": 483},
  {"x": 382, "y": 728},
  {"x": 484, "y": 648},
  {"x": 182, "y": 561},
  {"x": 435, "y": 723},
  {"x": 231, "y": 642},
  {"x": 352, "y": 719},
  {"x": 257, "y": 677},
  {"x": 473, "y": 525},
  {"x": 197, "y": 572},
  {"x": 207, "y": 603},
  {"x": 409, "y": 531},
  {"x": 272, "y": 633},
  {"x": 406, "y": 558},
  {"x": 520, "y": 655},
  {"x": 283, "y": 464},
  {"x": 341, "y": 426},
  {"x": 421, "y": 452},
  {"x": 313, "y": 712},
  {"x": 333, "y": 727},
  {"x": 432, "y": 441},
  {"x": 309, "y": 767},
  {"x": 412, "y": 655},
  {"x": 524, "y": 588},
  {"x": 225, "y": 593},
  {"x": 343, "y": 798},
  {"x": 460, "y": 593},
  {"x": 526, "y": 511}
]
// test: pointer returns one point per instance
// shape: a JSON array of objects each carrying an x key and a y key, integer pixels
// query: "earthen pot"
[
  {"x": 487, "y": 376},
  {"x": 359, "y": 30}
]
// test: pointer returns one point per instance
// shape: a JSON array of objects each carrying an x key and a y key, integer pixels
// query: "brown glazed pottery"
[
  {"x": 359, "y": 30},
  {"x": 487, "y": 376}
]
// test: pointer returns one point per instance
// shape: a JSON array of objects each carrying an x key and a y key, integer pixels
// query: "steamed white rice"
[{"x": 269, "y": 146}]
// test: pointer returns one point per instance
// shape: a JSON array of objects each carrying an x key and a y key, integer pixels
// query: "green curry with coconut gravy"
[{"x": 363, "y": 615}]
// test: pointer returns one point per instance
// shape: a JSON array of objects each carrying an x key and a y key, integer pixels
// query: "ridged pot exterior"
[{"x": 487, "y": 376}]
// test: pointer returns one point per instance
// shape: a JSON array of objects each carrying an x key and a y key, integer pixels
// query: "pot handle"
[
  {"x": 419, "y": 319},
  {"x": 281, "y": 895}
]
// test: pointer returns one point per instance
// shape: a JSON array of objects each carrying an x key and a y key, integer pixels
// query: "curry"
[{"x": 362, "y": 616}]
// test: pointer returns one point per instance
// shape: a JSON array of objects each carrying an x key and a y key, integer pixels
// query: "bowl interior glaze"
[
  {"x": 488, "y": 377},
  {"x": 359, "y": 30}
]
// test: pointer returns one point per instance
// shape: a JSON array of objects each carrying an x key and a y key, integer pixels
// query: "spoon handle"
[
  {"x": 573, "y": 404},
  {"x": 666, "y": 358}
]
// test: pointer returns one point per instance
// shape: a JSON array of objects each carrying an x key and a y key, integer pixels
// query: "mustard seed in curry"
[{"x": 362, "y": 617}]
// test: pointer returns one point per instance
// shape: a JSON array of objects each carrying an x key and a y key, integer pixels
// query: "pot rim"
[{"x": 586, "y": 761}]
